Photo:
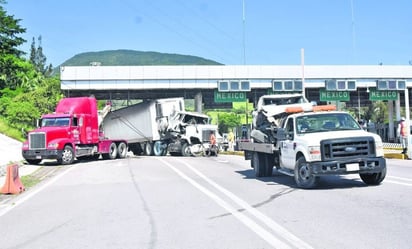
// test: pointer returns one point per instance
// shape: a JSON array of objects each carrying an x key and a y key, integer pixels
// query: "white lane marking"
[
  {"x": 262, "y": 217},
  {"x": 259, "y": 230},
  {"x": 400, "y": 178},
  {"x": 399, "y": 183},
  {"x": 32, "y": 193}
]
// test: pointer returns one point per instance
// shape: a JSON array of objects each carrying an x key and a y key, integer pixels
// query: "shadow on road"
[{"x": 323, "y": 183}]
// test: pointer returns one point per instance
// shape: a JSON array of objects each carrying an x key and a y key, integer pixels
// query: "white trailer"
[
  {"x": 157, "y": 127},
  {"x": 144, "y": 125}
]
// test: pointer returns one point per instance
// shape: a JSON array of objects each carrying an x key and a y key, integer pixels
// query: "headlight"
[
  {"x": 53, "y": 145},
  {"x": 314, "y": 153},
  {"x": 379, "y": 148}
]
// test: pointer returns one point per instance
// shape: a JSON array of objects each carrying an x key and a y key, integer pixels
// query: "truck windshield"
[
  {"x": 325, "y": 122},
  {"x": 47, "y": 122}
]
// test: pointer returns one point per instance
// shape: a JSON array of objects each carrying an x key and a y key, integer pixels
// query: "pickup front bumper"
[{"x": 363, "y": 165}]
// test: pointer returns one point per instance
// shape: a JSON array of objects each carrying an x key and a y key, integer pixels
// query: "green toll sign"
[
  {"x": 225, "y": 97},
  {"x": 376, "y": 95},
  {"x": 334, "y": 95}
]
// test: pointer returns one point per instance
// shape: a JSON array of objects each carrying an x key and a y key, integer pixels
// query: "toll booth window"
[
  {"x": 223, "y": 86},
  {"x": 234, "y": 85},
  {"x": 330, "y": 85},
  {"x": 392, "y": 85},
  {"x": 277, "y": 86},
  {"x": 245, "y": 85},
  {"x": 298, "y": 85},
  {"x": 289, "y": 85},
  {"x": 341, "y": 85},
  {"x": 382, "y": 85}
]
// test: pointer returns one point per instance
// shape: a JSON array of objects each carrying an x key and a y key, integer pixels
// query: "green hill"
[{"x": 135, "y": 58}]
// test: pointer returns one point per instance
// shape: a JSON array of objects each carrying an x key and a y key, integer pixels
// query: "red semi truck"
[{"x": 72, "y": 131}]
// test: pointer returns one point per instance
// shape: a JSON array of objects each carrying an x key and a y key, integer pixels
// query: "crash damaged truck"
[
  {"x": 306, "y": 141},
  {"x": 72, "y": 132},
  {"x": 160, "y": 126}
]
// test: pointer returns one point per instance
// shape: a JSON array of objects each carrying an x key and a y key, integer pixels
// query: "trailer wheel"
[
  {"x": 122, "y": 150},
  {"x": 159, "y": 148},
  {"x": 303, "y": 174},
  {"x": 67, "y": 156},
  {"x": 373, "y": 179},
  {"x": 148, "y": 149}
]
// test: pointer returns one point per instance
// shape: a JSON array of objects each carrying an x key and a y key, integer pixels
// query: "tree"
[
  {"x": 9, "y": 34},
  {"x": 38, "y": 59},
  {"x": 10, "y": 55}
]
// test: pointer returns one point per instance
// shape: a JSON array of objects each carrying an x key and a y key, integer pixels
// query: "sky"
[{"x": 231, "y": 32}]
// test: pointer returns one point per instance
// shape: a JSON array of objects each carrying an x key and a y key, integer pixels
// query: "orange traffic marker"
[{"x": 13, "y": 183}]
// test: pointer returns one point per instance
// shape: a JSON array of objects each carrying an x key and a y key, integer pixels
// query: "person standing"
[
  {"x": 402, "y": 133},
  {"x": 231, "y": 138}
]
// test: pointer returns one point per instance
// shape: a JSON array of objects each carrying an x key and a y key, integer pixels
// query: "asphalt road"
[{"x": 215, "y": 202}]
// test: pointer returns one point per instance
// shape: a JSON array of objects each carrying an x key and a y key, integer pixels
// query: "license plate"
[
  {"x": 38, "y": 157},
  {"x": 352, "y": 167}
]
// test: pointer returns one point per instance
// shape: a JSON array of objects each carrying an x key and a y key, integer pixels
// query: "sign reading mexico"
[
  {"x": 222, "y": 97},
  {"x": 334, "y": 95}
]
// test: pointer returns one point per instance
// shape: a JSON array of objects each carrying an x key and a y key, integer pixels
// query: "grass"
[
  {"x": 10, "y": 131},
  {"x": 29, "y": 181}
]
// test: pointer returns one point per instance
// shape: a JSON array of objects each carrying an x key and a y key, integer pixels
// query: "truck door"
[{"x": 287, "y": 156}]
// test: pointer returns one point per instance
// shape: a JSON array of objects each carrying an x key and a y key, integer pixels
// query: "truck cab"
[{"x": 72, "y": 131}]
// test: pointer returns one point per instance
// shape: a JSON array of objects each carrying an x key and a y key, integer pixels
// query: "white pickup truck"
[{"x": 306, "y": 141}]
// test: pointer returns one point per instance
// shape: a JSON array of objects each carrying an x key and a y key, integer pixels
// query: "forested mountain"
[{"x": 135, "y": 58}]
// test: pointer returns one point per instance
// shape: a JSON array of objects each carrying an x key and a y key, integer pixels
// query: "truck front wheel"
[
  {"x": 303, "y": 174},
  {"x": 159, "y": 148},
  {"x": 186, "y": 150},
  {"x": 67, "y": 156},
  {"x": 373, "y": 179}
]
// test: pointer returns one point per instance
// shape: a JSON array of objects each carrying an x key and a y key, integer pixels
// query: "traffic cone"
[{"x": 13, "y": 184}]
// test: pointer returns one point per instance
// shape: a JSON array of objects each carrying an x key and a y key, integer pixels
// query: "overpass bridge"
[
  {"x": 145, "y": 82},
  {"x": 214, "y": 86}
]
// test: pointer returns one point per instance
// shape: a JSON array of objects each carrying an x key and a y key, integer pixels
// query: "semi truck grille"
[
  {"x": 37, "y": 141},
  {"x": 333, "y": 149}
]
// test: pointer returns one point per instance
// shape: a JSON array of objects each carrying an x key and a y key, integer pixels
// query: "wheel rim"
[
  {"x": 67, "y": 155},
  {"x": 122, "y": 150},
  {"x": 304, "y": 172}
]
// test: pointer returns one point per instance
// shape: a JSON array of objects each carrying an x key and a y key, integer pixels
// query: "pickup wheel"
[
  {"x": 261, "y": 165},
  {"x": 122, "y": 150},
  {"x": 303, "y": 174},
  {"x": 374, "y": 178},
  {"x": 67, "y": 156}
]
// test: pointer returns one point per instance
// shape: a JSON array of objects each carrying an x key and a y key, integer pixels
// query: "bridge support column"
[{"x": 198, "y": 102}]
